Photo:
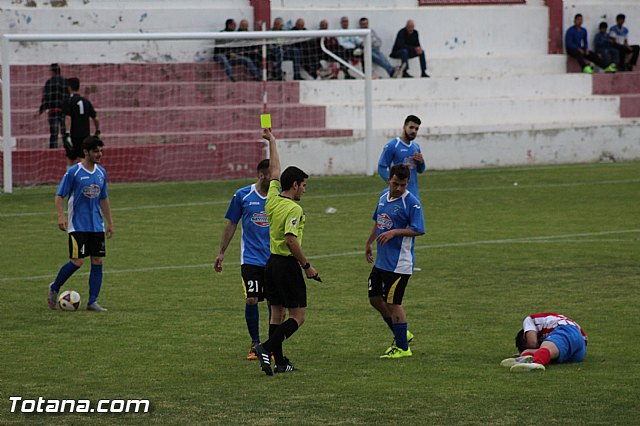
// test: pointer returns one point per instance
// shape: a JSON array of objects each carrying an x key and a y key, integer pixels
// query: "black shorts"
[
  {"x": 75, "y": 151},
  {"x": 387, "y": 284},
  {"x": 283, "y": 282},
  {"x": 83, "y": 244},
  {"x": 253, "y": 280}
]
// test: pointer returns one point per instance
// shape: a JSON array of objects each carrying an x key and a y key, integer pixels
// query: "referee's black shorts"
[{"x": 284, "y": 283}]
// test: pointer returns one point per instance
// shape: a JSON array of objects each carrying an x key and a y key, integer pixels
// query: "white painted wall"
[
  {"x": 594, "y": 12},
  {"x": 342, "y": 4},
  {"x": 544, "y": 145},
  {"x": 117, "y": 16},
  {"x": 455, "y": 37},
  {"x": 453, "y": 31},
  {"x": 449, "y": 32}
]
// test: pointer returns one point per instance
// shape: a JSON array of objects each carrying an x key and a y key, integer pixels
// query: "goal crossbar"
[{"x": 261, "y": 37}]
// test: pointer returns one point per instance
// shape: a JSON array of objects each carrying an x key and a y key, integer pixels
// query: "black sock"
[
  {"x": 289, "y": 327},
  {"x": 272, "y": 329},
  {"x": 281, "y": 332},
  {"x": 274, "y": 347}
]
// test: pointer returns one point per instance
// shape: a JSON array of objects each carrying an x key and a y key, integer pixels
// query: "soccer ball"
[{"x": 69, "y": 300}]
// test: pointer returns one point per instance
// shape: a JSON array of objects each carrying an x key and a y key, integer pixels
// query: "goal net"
[{"x": 183, "y": 106}]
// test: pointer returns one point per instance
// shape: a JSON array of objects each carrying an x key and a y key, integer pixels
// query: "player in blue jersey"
[
  {"x": 247, "y": 206},
  {"x": 398, "y": 220},
  {"x": 404, "y": 150},
  {"x": 85, "y": 184}
]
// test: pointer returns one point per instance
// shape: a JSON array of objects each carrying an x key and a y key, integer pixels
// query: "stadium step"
[
  {"x": 198, "y": 137},
  {"x": 463, "y": 146},
  {"x": 532, "y": 63},
  {"x": 147, "y": 162},
  {"x": 129, "y": 72},
  {"x": 630, "y": 105},
  {"x": 618, "y": 83},
  {"x": 158, "y": 94},
  {"x": 438, "y": 88},
  {"x": 187, "y": 119},
  {"x": 489, "y": 111}
]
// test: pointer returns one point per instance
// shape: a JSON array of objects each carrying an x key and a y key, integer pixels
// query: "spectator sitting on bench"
[
  {"x": 618, "y": 35},
  {"x": 329, "y": 69},
  {"x": 253, "y": 52},
  {"x": 407, "y": 46},
  {"x": 227, "y": 57},
  {"x": 377, "y": 56},
  {"x": 348, "y": 46},
  {"x": 577, "y": 46},
  {"x": 603, "y": 46},
  {"x": 280, "y": 53},
  {"x": 309, "y": 56}
]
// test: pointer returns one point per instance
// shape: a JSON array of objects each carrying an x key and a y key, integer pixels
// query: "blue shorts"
[{"x": 570, "y": 343}]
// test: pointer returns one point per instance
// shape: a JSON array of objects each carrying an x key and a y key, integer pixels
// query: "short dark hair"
[
  {"x": 412, "y": 119},
  {"x": 364, "y": 18},
  {"x": 521, "y": 342},
  {"x": 55, "y": 68},
  {"x": 290, "y": 175},
  {"x": 263, "y": 166},
  {"x": 228, "y": 23},
  {"x": 74, "y": 83},
  {"x": 603, "y": 25},
  {"x": 578, "y": 15},
  {"x": 620, "y": 16},
  {"x": 401, "y": 171},
  {"x": 91, "y": 142}
]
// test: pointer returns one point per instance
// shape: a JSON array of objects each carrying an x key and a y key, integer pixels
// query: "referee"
[{"x": 284, "y": 287}]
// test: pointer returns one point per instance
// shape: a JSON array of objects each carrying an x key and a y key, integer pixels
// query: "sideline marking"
[
  {"x": 508, "y": 186},
  {"x": 540, "y": 239}
]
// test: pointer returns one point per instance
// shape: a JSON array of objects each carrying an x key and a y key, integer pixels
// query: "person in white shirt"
[{"x": 619, "y": 38}]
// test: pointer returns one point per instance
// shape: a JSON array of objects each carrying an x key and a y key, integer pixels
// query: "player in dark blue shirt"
[
  {"x": 85, "y": 185},
  {"x": 247, "y": 207}
]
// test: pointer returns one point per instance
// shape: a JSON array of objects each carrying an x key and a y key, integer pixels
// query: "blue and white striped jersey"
[
  {"x": 248, "y": 205},
  {"x": 85, "y": 189},
  {"x": 397, "y": 255}
]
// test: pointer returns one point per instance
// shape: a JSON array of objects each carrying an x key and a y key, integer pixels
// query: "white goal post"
[{"x": 9, "y": 44}]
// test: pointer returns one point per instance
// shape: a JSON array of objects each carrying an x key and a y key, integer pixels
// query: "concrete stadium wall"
[
  {"x": 116, "y": 16},
  {"x": 452, "y": 31},
  {"x": 534, "y": 146},
  {"x": 594, "y": 12},
  {"x": 479, "y": 42}
]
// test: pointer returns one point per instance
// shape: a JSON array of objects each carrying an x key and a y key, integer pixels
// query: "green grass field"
[{"x": 564, "y": 238}]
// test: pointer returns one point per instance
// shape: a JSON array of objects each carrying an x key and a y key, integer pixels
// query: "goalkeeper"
[{"x": 77, "y": 112}]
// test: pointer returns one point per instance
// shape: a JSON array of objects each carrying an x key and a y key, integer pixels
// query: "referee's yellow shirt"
[{"x": 285, "y": 217}]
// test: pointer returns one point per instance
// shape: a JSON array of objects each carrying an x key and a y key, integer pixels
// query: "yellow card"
[{"x": 265, "y": 121}]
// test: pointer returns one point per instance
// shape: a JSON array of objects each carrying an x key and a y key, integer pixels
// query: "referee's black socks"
[
  {"x": 277, "y": 336},
  {"x": 272, "y": 329}
]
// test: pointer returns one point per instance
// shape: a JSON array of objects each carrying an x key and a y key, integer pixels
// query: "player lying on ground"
[{"x": 547, "y": 337}]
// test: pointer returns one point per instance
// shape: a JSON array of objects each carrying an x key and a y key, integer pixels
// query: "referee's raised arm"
[{"x": 274, "y": 158}]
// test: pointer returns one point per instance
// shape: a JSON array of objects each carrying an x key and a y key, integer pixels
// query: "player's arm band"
[{"x": 306, "y": 266}]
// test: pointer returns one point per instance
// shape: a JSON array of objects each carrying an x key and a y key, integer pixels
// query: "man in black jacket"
[
  {"x": 407, "y": 46},
  {"x": 54, "y": 95}
]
